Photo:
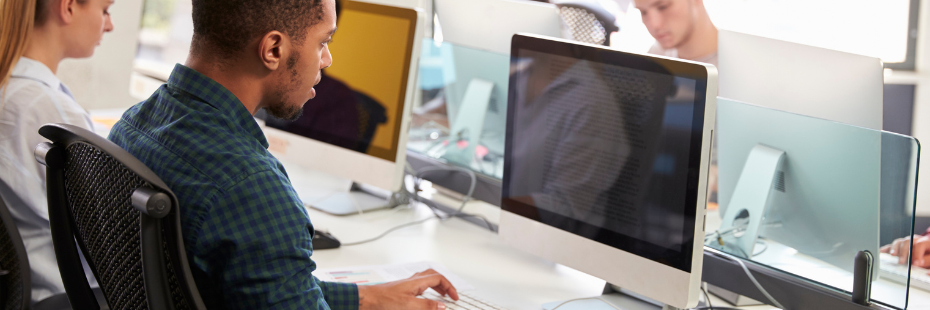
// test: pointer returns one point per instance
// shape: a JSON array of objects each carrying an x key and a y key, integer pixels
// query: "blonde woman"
[{"x": 35, "y": 36}]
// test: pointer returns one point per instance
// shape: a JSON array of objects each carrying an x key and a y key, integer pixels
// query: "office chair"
[
  {"x": 124, "y": 218},
  {"x": 15, "y": 292},
  {"x": 587, "y": 21},
  {"x": 371, "y": 114},
  {"x": 15, "y": 273}
]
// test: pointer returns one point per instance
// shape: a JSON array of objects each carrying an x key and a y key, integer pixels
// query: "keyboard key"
[{"x": 465, "y": 302}]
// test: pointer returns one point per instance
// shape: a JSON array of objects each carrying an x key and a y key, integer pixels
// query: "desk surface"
[{"x": 503, "y": 275}]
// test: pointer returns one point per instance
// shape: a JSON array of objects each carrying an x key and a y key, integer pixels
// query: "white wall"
[{"x": 102, "y": 81}]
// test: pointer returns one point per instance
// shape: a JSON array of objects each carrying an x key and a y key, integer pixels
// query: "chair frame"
[
  {"x": 154, "y": 269},
  {"x": 20, "y": 249}
]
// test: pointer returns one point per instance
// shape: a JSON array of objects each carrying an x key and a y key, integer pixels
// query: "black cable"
[
  {"x": 707, "y": 298},
  {"x": 762, "y": 250},
  {"x": 428, "y": 204},
  {"x": 436, "y": 210},
  {"x": 417, "y": 175}
]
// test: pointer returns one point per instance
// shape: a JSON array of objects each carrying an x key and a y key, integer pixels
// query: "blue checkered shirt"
[{"x": 247, "y": 235}]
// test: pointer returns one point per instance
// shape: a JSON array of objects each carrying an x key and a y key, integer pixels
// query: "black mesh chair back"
[
  {"x": 124, "y": 219},
  {"x": 587, "y": 21},
  {"x": 15, "y": 286}
]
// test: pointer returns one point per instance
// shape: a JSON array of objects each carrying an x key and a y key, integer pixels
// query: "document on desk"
[{"x": 371, "y": 275}]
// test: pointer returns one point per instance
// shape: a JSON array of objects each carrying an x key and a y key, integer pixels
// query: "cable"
[
  {"x": 388, "y": 231},
  {"x": 431, "y": 205},
  {"x": 753, "y": 279},
  {"x": 458, "y": 213},
  {"x": 471, "y": 174},
  {"x": 578, "y": 299},
  {"x": 707, "y": 297},
  {"x": 418, "y": 177},
  {"x": 762, "y": 250}
]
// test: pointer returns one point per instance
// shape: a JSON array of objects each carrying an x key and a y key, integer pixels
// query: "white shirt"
[{"x": 33, "y": 97}]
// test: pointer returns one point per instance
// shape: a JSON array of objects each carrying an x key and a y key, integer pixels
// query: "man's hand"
[
  {"x": 902, "y": 247},
  {"x": 403, "y": 294}
]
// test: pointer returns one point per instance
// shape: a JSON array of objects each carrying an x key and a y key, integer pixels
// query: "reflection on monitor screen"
[
  {"x": 360, "y": 99},
  {"x": 605, "y": 152}
]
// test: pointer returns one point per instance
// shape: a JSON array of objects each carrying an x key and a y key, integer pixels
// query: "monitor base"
[
  {"x": 612, "y": 298},
  {"x": 358, "y": 200},
  {"x": 605, "y": 302}
]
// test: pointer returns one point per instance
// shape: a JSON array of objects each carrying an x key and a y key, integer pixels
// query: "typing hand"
[
  {"x": 403, "y": 294},
  {"x": 902, "y": 247}
]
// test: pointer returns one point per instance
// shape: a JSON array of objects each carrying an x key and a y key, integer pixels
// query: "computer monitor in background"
[
  {"x": 490, "y": 24},
  {"x": 801, "y": 79},
  {"x": 606, "y": 164},
  {"x": 811, "y": 184},
  {"x": 468, "y": 58},
  {"x": 356, "y": 126}
]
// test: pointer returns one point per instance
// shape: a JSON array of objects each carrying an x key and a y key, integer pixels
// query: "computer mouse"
[{"x": 323, "y": 240}]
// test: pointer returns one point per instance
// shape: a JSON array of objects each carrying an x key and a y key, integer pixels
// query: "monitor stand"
[
  {"x": 469, "y": 122},
  {"x": 359, "y": 199},
  {"x": 762, "y": 175},
  {"x": 612, "y": 298}
]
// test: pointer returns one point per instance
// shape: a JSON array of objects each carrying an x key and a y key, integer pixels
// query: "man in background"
[{"x": 682, "y": 29}]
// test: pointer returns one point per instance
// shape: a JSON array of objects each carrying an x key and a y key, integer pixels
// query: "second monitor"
[{"x": 356, "y": 126}]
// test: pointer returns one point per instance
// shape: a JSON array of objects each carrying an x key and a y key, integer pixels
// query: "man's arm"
[
  {"x": 256, "y": 241},
  {"x": 339, "y": 296},
  {"x": 255, "y": 244}
]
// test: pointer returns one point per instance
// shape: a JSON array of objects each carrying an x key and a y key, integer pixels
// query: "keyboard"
[
  {"x": 466, "y": 302},
  {"x": 891, "y": 270}
]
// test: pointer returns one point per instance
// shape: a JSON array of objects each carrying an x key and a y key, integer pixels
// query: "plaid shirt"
[{"x": 247, "y": 235}]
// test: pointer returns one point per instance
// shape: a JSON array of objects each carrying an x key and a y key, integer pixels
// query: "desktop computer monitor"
[
  {"x": 490, "y": 24},
  {"x": 606, "y": 164},
  {"x": 356, "y": 126},
  {"x": 807, "y": 183},
  {"x": 801, "y": 79},
  {"x": 471, "y": 48}
]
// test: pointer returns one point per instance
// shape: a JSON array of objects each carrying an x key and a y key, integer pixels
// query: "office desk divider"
[{"x": 803, "y": 195}]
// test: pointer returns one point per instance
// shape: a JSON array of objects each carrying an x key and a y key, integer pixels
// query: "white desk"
[
  {"x": 503, "y": 275},
  {"x": 789, "y": 260}
]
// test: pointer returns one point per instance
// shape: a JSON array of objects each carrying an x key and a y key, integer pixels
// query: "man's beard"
[{"x": 279, "y": 107}]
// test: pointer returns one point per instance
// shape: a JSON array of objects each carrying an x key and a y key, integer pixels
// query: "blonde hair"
[{"x": 17, "y": 18}]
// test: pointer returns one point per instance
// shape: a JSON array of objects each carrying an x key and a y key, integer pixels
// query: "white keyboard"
[
  {"x": 891, "y": 270},
  {"x": 466, "y": 302}
]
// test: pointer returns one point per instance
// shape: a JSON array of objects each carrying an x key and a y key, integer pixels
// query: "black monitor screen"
[{"x": 606, "y": 145}]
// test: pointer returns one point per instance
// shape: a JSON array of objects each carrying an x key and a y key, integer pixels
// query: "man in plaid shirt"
[{"x": 246, "y": 232}]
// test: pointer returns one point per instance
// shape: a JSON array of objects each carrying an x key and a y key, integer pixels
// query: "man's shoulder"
[{"x": 188, "y": 138}]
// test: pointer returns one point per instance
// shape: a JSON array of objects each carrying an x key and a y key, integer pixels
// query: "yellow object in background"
[{"x": 377, "y": 45}]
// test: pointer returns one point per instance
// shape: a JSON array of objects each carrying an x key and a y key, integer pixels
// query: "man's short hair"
[{"x": 225, "y": 27}]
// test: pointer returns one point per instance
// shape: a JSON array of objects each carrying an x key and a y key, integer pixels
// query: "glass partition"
[
  {"x": 804, "y": 195},
  {"x": 462, "y": 114}
]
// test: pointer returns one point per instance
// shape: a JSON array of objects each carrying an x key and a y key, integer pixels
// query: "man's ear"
[
  {"x": 273, "y": 47},
  {"x": 64, "y": 11}
]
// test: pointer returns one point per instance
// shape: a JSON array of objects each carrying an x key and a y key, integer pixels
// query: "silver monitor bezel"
[{"x": 652, "y": 279}]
